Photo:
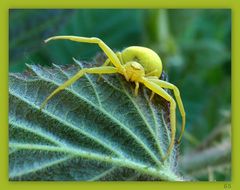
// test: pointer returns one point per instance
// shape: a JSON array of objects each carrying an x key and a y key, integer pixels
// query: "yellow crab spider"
[{"x": 137, "y": 64}]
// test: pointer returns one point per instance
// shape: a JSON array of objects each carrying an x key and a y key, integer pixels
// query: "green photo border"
[{"x": 5, "y": 5}]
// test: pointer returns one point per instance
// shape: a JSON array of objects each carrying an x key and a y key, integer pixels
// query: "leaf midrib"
[{"x": 115, "y": 120}]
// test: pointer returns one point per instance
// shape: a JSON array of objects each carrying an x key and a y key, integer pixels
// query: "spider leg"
[
  {"x": 158, "y": 90},
  {"x": 119, "y": 55},
  {"x": 151, "y": 73},
  {"x": 136, "y": 88},
  {"x": 152, "y": 95},
  {"x": 151, "y": 77},
  {"x": 168, "y": 85},
  {"x": 110, "y": 54},
  {"x": 94, "y": 70},
  {"x": 106, "y": 63}
]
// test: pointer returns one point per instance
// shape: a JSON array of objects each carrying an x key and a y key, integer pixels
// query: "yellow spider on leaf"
[{"x": 137, "y": 64}]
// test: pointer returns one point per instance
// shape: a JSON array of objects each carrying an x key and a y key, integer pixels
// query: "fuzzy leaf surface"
[{"x": 93, "y": 130}]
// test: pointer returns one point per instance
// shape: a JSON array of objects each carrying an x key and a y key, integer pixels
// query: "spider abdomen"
[{"x": 150, "y": 61}]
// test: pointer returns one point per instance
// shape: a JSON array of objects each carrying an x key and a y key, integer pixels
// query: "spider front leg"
[
  {"x": 94, "y": 70},
  {"x": 158, "y": 90},
  {"x": 110, "y": 54},
  {"x": 136, "y": 88},
  {"x": 108, "y": 62},
  {"x": 168, "y": 85}
]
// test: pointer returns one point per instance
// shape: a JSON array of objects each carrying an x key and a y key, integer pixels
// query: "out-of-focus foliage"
[
  {"x": 195, "y": 46},
  {"x": 28, "y": 29}
]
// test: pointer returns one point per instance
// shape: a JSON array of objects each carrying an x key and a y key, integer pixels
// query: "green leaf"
[{"x": 94, "y": 130}]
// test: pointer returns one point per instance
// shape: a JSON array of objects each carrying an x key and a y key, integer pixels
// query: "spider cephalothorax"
[{"x": 138, "y": 65}]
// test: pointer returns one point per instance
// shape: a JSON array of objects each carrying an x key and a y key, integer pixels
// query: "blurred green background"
[{"x": 195, "y": 47}]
